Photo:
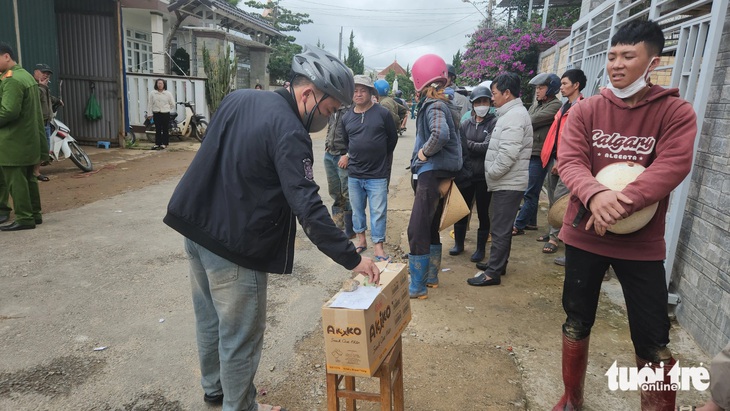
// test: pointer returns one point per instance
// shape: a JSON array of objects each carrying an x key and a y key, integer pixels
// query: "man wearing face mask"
[
  {"x": 649, "y": 125},
  {"x": 236, "y": 206}
]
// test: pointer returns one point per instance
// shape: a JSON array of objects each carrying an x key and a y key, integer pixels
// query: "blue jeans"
[
  {"x": 528, "y": 212},
  {"x": 375, "y": 192},
  {"x": 230, "y": 318},
  {"x": 337, "y": 183}
]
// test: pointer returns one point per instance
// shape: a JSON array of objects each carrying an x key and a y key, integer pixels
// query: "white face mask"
[
  {"x": 632, "y": 88},
  {"x": 481, "y": 111}
]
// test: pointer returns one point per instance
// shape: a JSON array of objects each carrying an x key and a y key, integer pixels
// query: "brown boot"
[
  {"x": 575, "y": 363},
  {"x": 653, "y": 400}
]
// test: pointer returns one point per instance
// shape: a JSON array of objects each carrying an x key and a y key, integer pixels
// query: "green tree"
[
  {"x": 284, "y": 20},
  {"x": 233, "y": 3},
  {"x": 220, "y": 71},
  {"x": 320, "y": 44},
  {"x": 456, "y": 62},
  {"x": 404, "y": 84},
  {"x": 354, "y": 58}
]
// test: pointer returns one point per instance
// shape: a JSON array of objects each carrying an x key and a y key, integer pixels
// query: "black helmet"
[
  {"x": 480, "y": 92},
  {"x": 327, "y": 73},
  {"x": 550, "y": 80},
  {"x": 398, "y": 93},
  {"x": 451, "y": 70}
]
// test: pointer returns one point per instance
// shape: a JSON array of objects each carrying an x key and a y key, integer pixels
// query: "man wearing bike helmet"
[
  {"x": 236, "y": 207},
  {"x": 451, "y": 90},
  {"x": 547, "y": 86},
  {"x": 397, "y": 110}
]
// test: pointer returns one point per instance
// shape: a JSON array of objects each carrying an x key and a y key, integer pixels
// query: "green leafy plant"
[
  {"x": 221, "y": 72},
  {"x": 284, "y": 20},
  {"x": 492, "y": 51}
]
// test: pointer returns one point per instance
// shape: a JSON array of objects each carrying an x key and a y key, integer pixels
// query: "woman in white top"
[{"x": 161, "y": 103}]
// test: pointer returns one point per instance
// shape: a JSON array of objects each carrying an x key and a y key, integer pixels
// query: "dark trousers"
[
  {"x": 423, "y": 227},
  {"x": 528, "y": 212},
  {"x": 645, "y": 292},
  {"x": 477, "y": 190},
  {"x": 162, "y": 128},
  {"x": 504, "y": 210}
]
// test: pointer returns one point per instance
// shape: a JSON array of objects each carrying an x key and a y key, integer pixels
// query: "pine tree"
[{"x": 354, "y": 59}]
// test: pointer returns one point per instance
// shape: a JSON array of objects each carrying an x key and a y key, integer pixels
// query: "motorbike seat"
[{"x": 173, "y": 114}]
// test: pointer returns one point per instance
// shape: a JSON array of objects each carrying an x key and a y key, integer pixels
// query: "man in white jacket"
[{"x": 506, "y": 167}]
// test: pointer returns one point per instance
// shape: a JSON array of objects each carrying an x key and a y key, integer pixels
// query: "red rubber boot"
[
  {"x": 655, "y": 400},
  {"x": 575, "y": 363}
]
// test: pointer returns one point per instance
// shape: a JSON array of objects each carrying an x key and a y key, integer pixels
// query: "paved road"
[{"x": 111, "y": 274}]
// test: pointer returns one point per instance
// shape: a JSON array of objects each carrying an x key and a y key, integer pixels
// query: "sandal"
[
  {"x": 382, "y": 258},
  {"x": 518, "y": 231},
  {"x": 360, "y": 249},
  {"x": 549, "y": 248},
  {"x": 543, "y": 238},
  {"x": 41, "y": 177},
  {"x": 531, "y": 227}
]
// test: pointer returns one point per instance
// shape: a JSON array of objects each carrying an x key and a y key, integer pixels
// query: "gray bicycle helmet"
[
  {"x": 480, "y": 92},
  {"x": 550, "y": 80},
  {"x": 326, "y": 71}
]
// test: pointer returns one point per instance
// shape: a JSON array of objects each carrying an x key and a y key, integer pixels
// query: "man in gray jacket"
[{"x": 506, "y": 168}]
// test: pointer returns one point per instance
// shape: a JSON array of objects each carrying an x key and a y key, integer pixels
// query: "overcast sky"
[{"x": 388, "y": 29}]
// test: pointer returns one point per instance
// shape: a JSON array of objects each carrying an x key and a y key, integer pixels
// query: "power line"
[{"x": 413, "y": 41}]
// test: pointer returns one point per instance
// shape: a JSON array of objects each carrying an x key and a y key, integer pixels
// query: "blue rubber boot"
[
  {"x": 434, "y": 266},
  {"x": 418, "y": 268}
]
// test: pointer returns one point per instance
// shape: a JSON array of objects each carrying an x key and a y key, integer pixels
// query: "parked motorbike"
[
  {"x": 192, "y": 126},
  {"x": 63, "y": 146}
]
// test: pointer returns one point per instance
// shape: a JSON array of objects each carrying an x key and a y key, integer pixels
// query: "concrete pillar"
[
  {"x": 259, "y": 71},
  {"x": 158, "y": 42}
]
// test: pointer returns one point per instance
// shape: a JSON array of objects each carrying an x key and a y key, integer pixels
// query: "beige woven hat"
[
  {"x": 557, "y": 211},
  {"x": 617, "y": 176}
]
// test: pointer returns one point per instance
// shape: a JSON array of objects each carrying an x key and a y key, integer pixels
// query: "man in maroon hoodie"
[{"x": 651, "y": 126}]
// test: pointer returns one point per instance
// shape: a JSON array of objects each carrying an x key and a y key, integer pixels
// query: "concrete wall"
[{"x": 704, "y": 246}]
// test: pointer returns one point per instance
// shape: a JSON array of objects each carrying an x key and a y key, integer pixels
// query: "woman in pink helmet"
[{"x": 436, "y": 158}]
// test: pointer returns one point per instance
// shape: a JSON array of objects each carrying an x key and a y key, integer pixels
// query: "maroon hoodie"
[{"x": 658, "y": 133}]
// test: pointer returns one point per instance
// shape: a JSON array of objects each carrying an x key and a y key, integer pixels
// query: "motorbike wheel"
[
  {"x": 199, "y": 130},
  {"x": 149, "y": 131},
  {"x": 130, "y": 138},
  {"x": 79, "y": 157}
]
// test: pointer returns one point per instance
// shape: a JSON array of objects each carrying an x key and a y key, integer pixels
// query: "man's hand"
[
  {"x": 607, "y": 210},
  {"x": 422, "y": 156},
  {"x": 554, "y": 170},
  {"x": 343, "y": 161},
  {"x": 367, "y": 267}
]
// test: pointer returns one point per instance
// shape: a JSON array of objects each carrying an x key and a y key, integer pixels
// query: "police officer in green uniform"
[{"x": 22, "y": 140}]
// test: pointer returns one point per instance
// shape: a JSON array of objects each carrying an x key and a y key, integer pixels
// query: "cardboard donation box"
[{"x": 357, "y": 340}]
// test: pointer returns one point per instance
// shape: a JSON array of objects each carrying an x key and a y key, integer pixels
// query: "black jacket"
[
  {"x": 477, "y": 137},
  {"x": 250, "y": 178}
]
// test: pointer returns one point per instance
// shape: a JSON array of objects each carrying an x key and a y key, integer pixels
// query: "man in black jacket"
[{"x": 236, "y": 206}]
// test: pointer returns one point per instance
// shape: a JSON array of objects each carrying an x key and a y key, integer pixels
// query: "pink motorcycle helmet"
[{"x": 428, "y": 69}]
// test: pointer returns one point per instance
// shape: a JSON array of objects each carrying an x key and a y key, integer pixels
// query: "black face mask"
[{"x": 315, "y": 120}]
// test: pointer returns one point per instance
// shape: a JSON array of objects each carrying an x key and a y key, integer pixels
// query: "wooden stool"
[{"x": 390, "y": 374}]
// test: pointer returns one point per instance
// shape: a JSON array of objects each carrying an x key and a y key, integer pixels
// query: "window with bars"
[{"x": 138, "y": 51}]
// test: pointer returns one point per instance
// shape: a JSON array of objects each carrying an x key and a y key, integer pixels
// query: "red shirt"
[{"x": 657, "y": 133}]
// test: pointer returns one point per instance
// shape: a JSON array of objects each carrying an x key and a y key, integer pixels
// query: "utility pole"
[
  {"x": 490, "y": 15},
  {"x": 339, "y": 49}
]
